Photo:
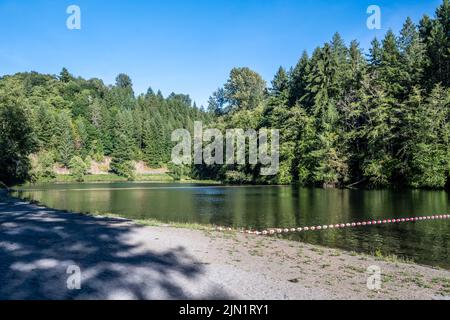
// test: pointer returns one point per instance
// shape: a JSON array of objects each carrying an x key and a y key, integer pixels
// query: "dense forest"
[
  {"x": 72, "y": 121},
  {"x": 347, "y": 117},
  {"x": 351, "y": 119}
]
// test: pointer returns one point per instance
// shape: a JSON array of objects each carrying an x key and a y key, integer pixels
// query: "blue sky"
[{"x": 184, "y": 46}]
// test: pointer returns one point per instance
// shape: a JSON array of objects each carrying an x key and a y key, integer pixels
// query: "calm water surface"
[{"x": 273, "y": 206}]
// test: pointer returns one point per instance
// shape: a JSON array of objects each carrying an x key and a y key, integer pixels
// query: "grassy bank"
[{"x": 161, "y": 178}]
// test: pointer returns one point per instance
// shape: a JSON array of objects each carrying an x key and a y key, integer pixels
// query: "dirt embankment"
[{"x": 103, "y": 167}]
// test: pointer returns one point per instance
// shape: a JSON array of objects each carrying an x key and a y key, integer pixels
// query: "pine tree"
[
  {"x": 435, "y": 34},
  {"x": 375, "y": 55},
  {"x": 298, "y": 79},
  {"x": 413, "y": 57},
  {"x": 280, "y": 82},
  {"x": 321, "y": 86},
  {"x": 390, "y": 69},
  {"x": 65, "y": 139},
  {"x": 65, "y": 76},
  {"x": 123, "y": 152},
  {"x": 357, "y": 68},
  {"x": 426, "y": 137}
]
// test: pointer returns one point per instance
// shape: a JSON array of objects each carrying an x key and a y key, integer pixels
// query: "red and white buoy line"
[{"x": 273, "y": 231}]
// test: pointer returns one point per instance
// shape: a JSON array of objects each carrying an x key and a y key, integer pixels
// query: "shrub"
[
  {"x": 237, "y": 177},
  {"x": 78, "y": 168},
  {"x": 177, "y": 172},
  {"x": 42, "y": 166},
  {"x": 123, "y": 168}
]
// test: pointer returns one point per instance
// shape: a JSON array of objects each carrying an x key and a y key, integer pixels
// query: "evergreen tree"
[
  {"x": 280, "y": 82},
  {"x": 298, "y": 79},
  {"x": 344, "y": 119},
  {"x": 65, "y": 141},
  {"x": 413, "y": 58},
  {"x": 65, "y": 76},
  {"x": 390, "y": 69}
]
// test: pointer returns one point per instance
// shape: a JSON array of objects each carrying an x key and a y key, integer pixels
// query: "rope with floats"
[{"x": 273, "y": 231}]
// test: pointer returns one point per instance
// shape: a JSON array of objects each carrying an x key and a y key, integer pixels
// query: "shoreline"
[
  {"x": 239, "y": 266},
  {"x": 112, "y": 178}
]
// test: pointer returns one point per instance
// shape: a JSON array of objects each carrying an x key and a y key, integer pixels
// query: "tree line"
[
  {"x": 352, "y": 119},
  {"x": 71, "y": 120},
  {"x": 346, "y": 117}
]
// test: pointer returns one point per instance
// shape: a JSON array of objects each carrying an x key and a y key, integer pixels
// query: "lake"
[{"x": 263, "y": 207}]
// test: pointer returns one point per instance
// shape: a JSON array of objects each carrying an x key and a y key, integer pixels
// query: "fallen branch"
[
  {"x": 356, "y": 183},
  {"x": 4, "y": 185}
]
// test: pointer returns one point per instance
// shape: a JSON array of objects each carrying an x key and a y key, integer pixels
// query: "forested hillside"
[
  {"x": 71, "y": 120},
  {"x": 348, "y": 117}
]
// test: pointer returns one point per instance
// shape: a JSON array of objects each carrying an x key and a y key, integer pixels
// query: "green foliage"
[
  {"x": 71, "y": 117},
  {"x": 16, "y": 142},
  {"x": 42, "y": 166},
  {"x": 344, "y": 120},
  {"x": 177, "y": 172},
  {"x": 78, "y": 168},
  {"x": 123, "y": 168},
  {"x": 245, "y": 89},
  {"x": 64, "y": 139},
  {"x": 350, "y": 121},
  {"x": 237, "y": 177}
]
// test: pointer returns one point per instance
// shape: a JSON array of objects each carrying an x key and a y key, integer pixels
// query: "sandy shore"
[{"x": 123, "y": 260}]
